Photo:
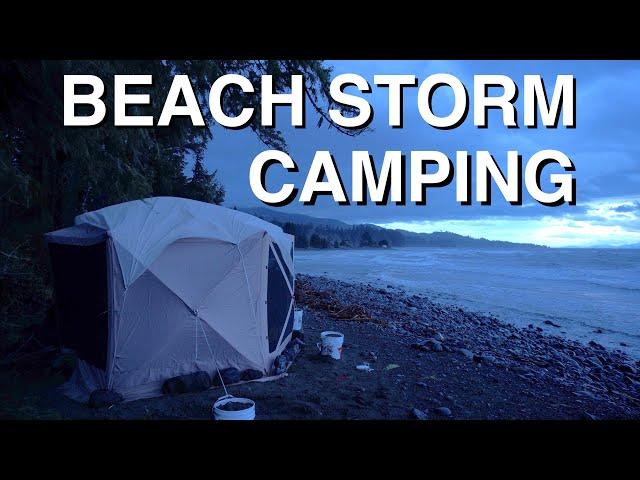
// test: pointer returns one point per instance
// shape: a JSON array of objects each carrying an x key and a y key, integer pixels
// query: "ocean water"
[{"x": 582, "y": 290}]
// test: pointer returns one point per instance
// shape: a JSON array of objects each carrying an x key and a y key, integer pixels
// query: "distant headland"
[{"x": 315, "y": 232}]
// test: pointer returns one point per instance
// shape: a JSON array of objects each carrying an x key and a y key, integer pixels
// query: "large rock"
[
  {"x": 229, "y": 376},
  {"x": 193, "y": 382},
  {"x": 104, "y": 398},
  {"x": 250, "y": 374}
]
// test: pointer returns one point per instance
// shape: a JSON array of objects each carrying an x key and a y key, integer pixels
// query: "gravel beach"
[{"x": 428, "y": 361}]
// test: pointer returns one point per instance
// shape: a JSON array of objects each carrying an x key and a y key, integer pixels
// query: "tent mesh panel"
[
  {"x": 284, "y": 265},
  {"x": 278, "y": 300}
]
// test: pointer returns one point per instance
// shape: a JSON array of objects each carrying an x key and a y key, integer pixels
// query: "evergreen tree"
[
  {"x": 50, "y": 173},
  {"x": 289, "y": 228},
  {"x": 315, "y": 241},
  {"x": 365, "y": 239},
  {"x": 203, "y": 185},
  {"x": 302, "y": 241}
]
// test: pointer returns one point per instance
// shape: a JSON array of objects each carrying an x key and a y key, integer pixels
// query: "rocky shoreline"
[
  {"x": 591, "y": 372},
  {"x": 425, "y": 360}
]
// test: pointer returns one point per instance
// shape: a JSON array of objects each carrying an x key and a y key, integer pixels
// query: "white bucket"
[
  {"x": 297, "y": 319},
  {"x": 248, "y": 413},
  {"x": 331, "y": 344}
]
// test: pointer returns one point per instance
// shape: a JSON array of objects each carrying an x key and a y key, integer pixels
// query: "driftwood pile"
[{"x": 327, "y": 301}]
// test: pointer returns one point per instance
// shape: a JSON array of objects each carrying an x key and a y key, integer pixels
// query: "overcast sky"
[{"x": 604, "y": 147}]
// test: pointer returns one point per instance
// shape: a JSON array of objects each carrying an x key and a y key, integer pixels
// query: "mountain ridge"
[{"x": 305, "y": 225}]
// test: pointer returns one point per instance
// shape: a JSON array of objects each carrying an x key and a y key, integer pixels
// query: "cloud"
[
  {"x": 549, "y": 231},
  {"x": 627, "y": 207},
  {"x": 615, "y": 209},
  {"x": 597, "y": 225},
  {"x": 603, "y": 146}
]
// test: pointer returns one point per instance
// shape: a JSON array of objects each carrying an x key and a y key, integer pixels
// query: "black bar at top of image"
[{"x": 323, "y": 33}]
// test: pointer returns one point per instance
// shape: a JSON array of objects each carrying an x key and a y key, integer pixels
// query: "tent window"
[
  {"x": 289, "y": 326},
  {"x": 284, "y": 265},
  {"x": 278, "y": 301}
]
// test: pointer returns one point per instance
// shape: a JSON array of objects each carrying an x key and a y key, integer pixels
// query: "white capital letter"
[
  {"x": 323, "y": 162},
  {"x": 482, "y": 102},
  {"x": 71, "y": 99},
  {"x": 395, "y": 84},
  {"x": 564, "y": 181},
  {"x": 563, "y": 98},
  {"x": 215, "y": 101},
  {"x": 390, "y": 173},
  {"x": 182, "y": 84},
  {"x": 364, "y": 109},
  {"x": 295, "y": 99},
  {"x": 459, "y": 111},
  {"x": 121, "y": 99},
  {"x": 487, "y": 168},
  {"x": 420, "y": 180},
  {"x": 258, "y": 170}
]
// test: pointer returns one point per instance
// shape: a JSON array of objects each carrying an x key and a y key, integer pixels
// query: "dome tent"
[{"x": 152, "y": 289}]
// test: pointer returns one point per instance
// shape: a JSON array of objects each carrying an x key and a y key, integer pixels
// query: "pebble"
[
  {"x": 467, "y": 353},
  {"x": 307, "y": 408},
  {"x": 419, "y": 414},
  {"x": 442, "y": 411},
  {"x": 484, "y": 358},
  {"x": 623, "y": 367},
  {"x": 371, "y": 356},
  {"x": 591, "y": 370},
  {"x": 434, "y": 345}
]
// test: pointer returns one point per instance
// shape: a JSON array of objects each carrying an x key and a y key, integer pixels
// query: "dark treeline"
[
  {"x": 50, "y": 173},
  {"x": 326, "y": 236}
]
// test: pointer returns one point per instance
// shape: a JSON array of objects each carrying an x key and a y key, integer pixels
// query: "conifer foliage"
[{"x": 50, "y": 173}]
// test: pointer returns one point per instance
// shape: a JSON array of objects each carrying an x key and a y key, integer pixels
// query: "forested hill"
[{"x": 329, "y": 233}]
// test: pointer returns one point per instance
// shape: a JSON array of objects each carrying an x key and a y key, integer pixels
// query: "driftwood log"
[{"x": 326, "y": 301}]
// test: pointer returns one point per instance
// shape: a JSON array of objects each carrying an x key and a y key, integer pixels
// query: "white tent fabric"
[
  {"x": 189, "y": 289},
  {"x": 142, "y": 229}
]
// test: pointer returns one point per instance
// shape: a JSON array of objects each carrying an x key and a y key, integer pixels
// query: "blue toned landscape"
[
  {"x": 583, "y": 294},
  {"x": 448, "y": 279}
]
